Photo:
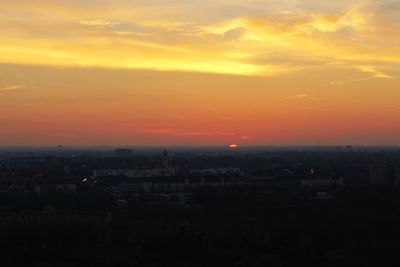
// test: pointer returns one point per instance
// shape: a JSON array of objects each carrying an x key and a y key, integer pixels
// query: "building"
[
  {"x": 382, "y": 174},
  {"x": 396, "y": 174},
  {"x": 348, "y": 148},
  {"x": 48, "y": 185},
  {"x": 166, "y": 160},
  {"x": 123, "y": 152},
  {"x": 112, "y": 172},
  {"x": 136, "y": 173},
  {"x": 217, "y": 171},
  {"x": 320, "y": 182}
]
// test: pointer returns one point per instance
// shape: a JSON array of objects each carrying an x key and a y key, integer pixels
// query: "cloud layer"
[{"x": 227, "y": 36}]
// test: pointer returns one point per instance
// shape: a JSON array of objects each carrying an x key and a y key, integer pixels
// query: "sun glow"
[
  {"x": 233, "y": 147},
  {"x": 199, "y": 72}
]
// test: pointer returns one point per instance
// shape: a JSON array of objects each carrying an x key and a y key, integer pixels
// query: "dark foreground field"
[{"x": 358, "y": 227}]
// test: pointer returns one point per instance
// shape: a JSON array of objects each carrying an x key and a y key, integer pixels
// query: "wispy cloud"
[
  {"x": 170, "y": 131},
  {"x": 187, "y": 133},
  {"x": 12, "y": 87},
  {"x": 176, "y": 132},
  {"x": 372, "y": 71},
  {"x": 227, "y": 134},
  {"x": 300, "y": 97},
  {"x": 98, "y": 23},
  {"x": 375, "y": 72},
  {"x": 341, "y": 82},
  {"x": 245, "y": 137}
]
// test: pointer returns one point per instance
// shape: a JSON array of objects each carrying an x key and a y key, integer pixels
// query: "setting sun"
[{"x": 233, "y": 147}]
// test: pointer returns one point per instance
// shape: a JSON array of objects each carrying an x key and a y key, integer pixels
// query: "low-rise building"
[
  {"x": 136, "y": 173},
  {"x": 48, "y": 185}
]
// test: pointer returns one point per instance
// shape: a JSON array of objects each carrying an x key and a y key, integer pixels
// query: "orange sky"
[{"x": 252, "y": 72}]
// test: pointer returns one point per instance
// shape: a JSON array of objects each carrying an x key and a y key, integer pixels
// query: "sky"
[{"x": 199, "y": 72}]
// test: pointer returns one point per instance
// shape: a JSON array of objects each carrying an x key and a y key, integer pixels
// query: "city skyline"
[{"x": 199, "y": 73}]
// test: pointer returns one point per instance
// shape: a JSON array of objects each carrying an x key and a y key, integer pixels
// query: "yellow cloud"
[
  {"x": 111, "y": 36},
  {"x": 376, "y": 73},
  {"x": 98, "y": 23},
  {"x": 12, "y": 87}
]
